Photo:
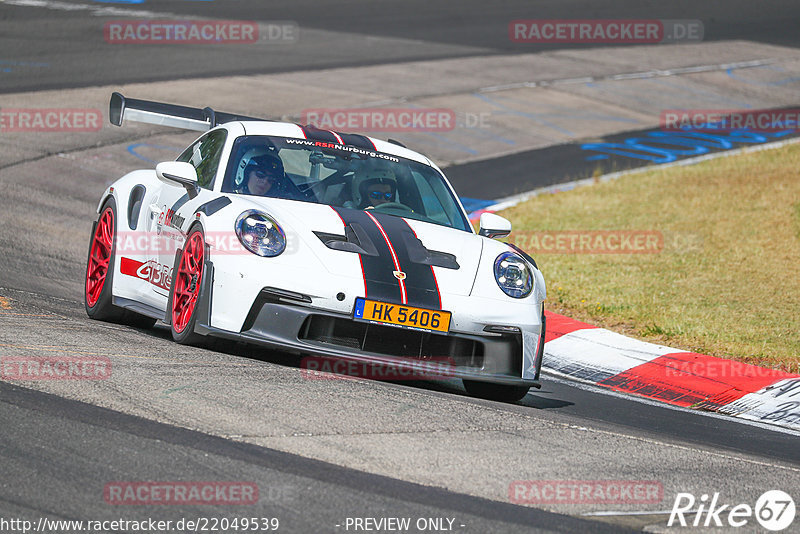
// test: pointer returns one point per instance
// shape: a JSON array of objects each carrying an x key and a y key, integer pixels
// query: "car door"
[{"x": 172, "y": 205}]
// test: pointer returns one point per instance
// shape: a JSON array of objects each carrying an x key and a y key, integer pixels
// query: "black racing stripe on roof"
[
  {"x": 361, "y": 141},
  {"x": 316, "y": 134}
]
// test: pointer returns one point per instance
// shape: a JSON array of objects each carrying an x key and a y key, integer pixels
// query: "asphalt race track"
[
  {"x": 323, "y": 451},
  {"x": 406, "y": 30},
  {"x": 302, "y": 493}
]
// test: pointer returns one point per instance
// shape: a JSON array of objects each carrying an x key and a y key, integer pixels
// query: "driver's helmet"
[
  {"x": 267, "y": 163},
  {"x": 366, "y": 177}
]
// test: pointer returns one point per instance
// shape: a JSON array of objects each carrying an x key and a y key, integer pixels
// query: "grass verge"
[{"x": 723, "y": 278}]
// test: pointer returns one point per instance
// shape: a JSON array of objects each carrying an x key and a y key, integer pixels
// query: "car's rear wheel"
[
  {"x": 186, "y": 286},
  {"x": 100, "y": 273},
  {"x": 496, "y": 392}
]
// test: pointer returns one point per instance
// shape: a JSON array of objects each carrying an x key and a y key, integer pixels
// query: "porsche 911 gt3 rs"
[{"x": 317, "y": 243}]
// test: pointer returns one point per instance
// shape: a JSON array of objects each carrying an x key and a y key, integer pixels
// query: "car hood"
[{"x": 432, "y": 259}]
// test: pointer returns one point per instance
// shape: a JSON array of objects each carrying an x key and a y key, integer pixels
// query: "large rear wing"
[{"x": 187, "y": 118}]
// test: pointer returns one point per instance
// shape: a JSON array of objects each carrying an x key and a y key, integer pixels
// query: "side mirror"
[
  {"x": 493, "y": 226},
  {"x": 180, "y": 173}
]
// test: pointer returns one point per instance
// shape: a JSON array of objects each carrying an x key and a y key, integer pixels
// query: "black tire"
[
  {"x": 100, "y": 307},
  {"x": 495, "y": 392},
  {"x": 183, "y": 332}
]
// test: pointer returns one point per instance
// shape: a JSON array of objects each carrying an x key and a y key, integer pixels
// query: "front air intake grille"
[{"x": 390, "y": 341}]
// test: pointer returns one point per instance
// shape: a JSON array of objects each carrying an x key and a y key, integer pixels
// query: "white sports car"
[{"x": 318, "y": 243}]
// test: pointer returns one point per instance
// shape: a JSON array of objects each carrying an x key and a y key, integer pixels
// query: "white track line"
[
  {"x": 594, "y": 388},
  {"x": 655, "y": 512},
  {"x": 98, "y": 10},
  {"x": 640, "y": 75}
]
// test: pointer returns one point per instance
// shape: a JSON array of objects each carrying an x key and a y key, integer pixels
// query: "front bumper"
[{"x": 282, "y": 320}]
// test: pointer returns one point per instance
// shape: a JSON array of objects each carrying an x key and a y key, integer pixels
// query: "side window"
[{"x": 204, "y": 155}]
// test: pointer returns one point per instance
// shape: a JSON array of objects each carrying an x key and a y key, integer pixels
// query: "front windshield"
[{"x": 341, "y": 176}]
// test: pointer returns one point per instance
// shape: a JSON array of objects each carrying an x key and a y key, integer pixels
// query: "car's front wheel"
[
  {"x": 186, "y": 286},
  {"x": 496, "y": 392}
]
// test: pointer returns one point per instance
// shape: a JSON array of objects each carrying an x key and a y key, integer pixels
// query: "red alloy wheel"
[
  {"x": 187, "y": 282},
  {"x": 99, "y": 257}
]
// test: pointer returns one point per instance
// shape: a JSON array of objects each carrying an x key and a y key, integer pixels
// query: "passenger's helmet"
[{"x": 366, "y": 177}]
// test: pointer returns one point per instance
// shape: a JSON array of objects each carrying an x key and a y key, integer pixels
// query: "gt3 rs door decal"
[
  {"x": 418, "y": 288},
  {"x": 151, "y": 271}
]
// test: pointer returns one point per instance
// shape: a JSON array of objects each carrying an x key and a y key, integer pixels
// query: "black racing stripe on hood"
[
  {"x": 377, "y": 270},
  {"x": 421, "y": 287}
]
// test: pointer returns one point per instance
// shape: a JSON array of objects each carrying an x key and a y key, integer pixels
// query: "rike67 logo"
[{"x": 774, "y": 511}]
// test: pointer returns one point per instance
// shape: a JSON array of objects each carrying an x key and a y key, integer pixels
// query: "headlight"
[
  {"x": 260, "y": 234},
  {"x": 513, "y": 275}
]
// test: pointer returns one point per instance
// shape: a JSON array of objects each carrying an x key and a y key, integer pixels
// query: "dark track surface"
[
  {"x": 524, "y": 171},
  {"x": 77, "y": 448},
  {"x": 474, "y": 23},
  {"x": 660, "y": 422},
  {"x": 49, "y": 49},
  {"x": 93, "y": 446}
]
